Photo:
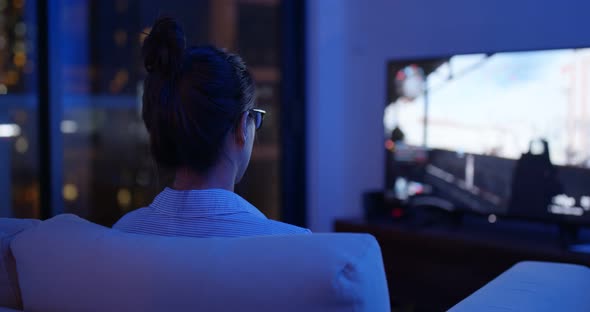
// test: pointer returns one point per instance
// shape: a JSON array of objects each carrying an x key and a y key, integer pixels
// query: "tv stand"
[
  {"x": 431, "y": 267},
  {"x": 568, "y": 234}
]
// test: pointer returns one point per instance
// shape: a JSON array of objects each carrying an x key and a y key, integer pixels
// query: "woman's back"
[{"x": 202, "y": 213}]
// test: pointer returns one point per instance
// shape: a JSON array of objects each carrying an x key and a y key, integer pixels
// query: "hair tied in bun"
[{"x": 163, "y": 49}]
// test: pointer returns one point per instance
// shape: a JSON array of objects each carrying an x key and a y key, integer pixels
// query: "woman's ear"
[{"x": 242, "y": 129}]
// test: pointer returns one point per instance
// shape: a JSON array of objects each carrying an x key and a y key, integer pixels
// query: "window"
[
  {"x": 103, "y": 165},
  {"x": 18, "y": 110}
]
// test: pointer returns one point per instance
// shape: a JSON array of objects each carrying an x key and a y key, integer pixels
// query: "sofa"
[
  {"x": 533, "y": 286},
  {"x": 69, "y": 264}
]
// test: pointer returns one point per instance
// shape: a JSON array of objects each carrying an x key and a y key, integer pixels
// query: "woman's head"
[{"x": 197, "y": 103}]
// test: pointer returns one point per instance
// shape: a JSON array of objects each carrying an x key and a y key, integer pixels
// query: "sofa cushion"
[
  {"x": 87, "y": 267},
  {"x": 9, "y": 289},
  {"x": 533, "y": 286}
]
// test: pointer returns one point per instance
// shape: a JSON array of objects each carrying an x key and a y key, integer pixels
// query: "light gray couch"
[{"x": 69, "y": 264}]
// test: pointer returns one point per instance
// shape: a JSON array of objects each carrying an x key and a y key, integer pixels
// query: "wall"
[{"x": 348, "y": 45}]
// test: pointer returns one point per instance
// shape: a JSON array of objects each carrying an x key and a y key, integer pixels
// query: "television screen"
[{"x": 506, "y": 133}]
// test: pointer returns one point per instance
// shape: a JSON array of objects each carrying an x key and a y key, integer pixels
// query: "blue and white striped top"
[{"x": 202, "y": 213}]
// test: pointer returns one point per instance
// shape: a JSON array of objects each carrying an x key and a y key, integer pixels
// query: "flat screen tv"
[{"x": 504, "y": 133}]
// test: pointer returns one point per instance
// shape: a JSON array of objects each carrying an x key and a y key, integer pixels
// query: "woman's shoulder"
[
  {"x": 131, "y": 216},
  {"x": 277, "y": 227}
]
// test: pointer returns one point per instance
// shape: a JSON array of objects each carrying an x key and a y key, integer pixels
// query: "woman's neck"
[{"x": 219, "y": 177}]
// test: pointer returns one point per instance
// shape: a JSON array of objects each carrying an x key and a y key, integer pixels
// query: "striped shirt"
[{"x": 202, "y": 213}]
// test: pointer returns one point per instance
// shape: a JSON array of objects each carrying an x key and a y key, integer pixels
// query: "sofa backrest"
[
  {"x": 9, "y": 290},
  {"x": 69, "y": 264}
]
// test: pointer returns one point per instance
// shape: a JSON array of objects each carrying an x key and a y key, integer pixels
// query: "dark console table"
[{"x": 431, "y": 268}]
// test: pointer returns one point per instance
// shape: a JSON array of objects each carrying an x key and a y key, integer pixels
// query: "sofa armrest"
[
  {"x": 10, "y": 295},
  {"x": 533, "y": 286}
]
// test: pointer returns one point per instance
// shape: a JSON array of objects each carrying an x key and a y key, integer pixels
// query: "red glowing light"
[
  {"x": 389, "y": 145},
  {"x": 397, "y": 212}
]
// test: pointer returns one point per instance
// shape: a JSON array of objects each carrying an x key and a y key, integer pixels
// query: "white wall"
[{"x": 348, "y": 45}]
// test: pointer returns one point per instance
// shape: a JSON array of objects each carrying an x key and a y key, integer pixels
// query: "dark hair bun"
[{"x": 163, "y": 49}]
